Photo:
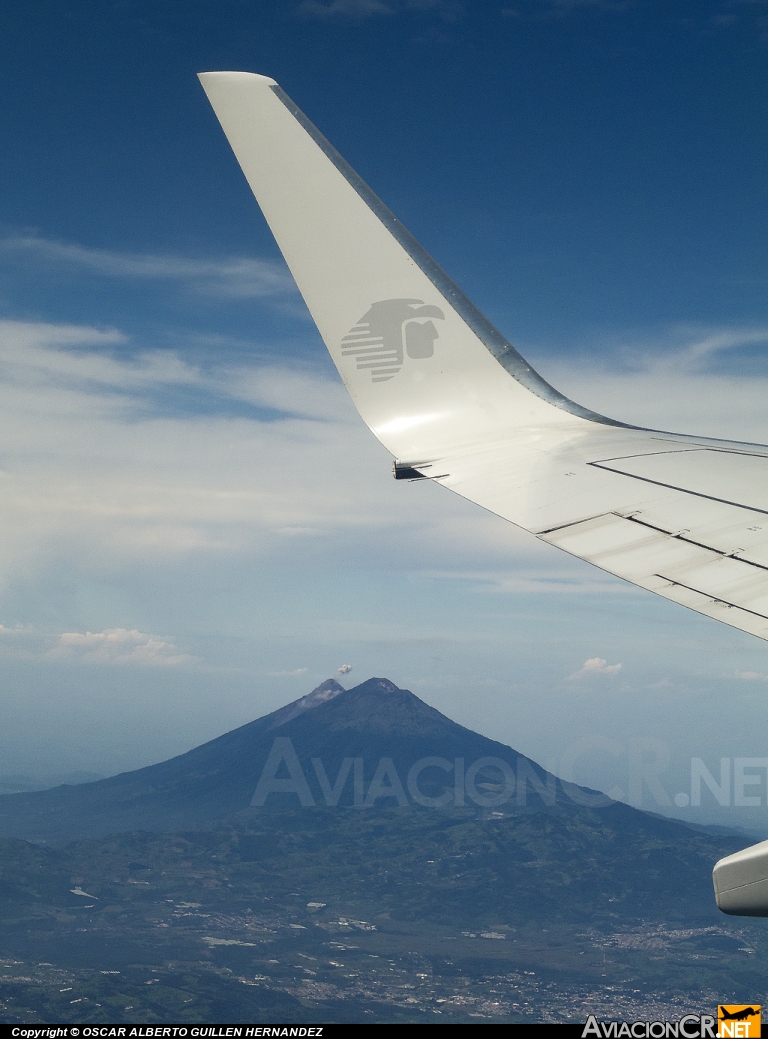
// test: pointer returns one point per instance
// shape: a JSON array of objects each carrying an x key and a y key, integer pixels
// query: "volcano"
[{"x": 373, "y": 745}]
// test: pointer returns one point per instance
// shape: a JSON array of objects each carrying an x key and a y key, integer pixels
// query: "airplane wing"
[{"x": 683, "y": 516}]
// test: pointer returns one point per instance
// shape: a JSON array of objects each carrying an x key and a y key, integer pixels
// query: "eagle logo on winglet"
[{"x": 388, "y": 332}]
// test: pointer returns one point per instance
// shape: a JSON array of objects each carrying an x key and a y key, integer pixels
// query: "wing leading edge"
[{"x": 441, "y": 388}]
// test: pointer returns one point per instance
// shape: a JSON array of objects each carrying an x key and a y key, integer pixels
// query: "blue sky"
[{"x": 196, "y": 527}]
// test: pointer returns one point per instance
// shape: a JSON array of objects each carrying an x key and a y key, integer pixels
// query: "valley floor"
[{"x": 391, "y": 915}]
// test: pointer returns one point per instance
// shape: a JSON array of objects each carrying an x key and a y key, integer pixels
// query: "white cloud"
[
  {"x": 668, "y": 381},
  {"x": 355, "y": 10},
  {"x": 91, "y": 473},
  {"x": 360, "y": 10},
  {"x": 687, "y": 349},
  {"x": 119, "y": 646},
  {"x": 565, "y": 6},
  {"x": 35, "y": 355},
  {"x": 751, "y": 676},
  {"x": 289, "y": 674},
  {"x": 73, "y": 360},
  {"x": 240, "y": 277},
  {"x": 540, "y": 573},
  {"x": 594, "y": 666},
  {"x": 345, "y": 669},
  {"x": 290, "y": 390}
]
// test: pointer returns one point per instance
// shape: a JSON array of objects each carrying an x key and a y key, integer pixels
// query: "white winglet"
[{"x": 426, "y": 370}]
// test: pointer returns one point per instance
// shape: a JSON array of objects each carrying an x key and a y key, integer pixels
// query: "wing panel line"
[
  {"x": 683, "y": 490},
  {"x": 711, "y": 598},
  {"x": 691, "y": 541}
]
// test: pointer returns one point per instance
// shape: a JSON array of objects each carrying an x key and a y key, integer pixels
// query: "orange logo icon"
[{"x": 738, "y": 1021}]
